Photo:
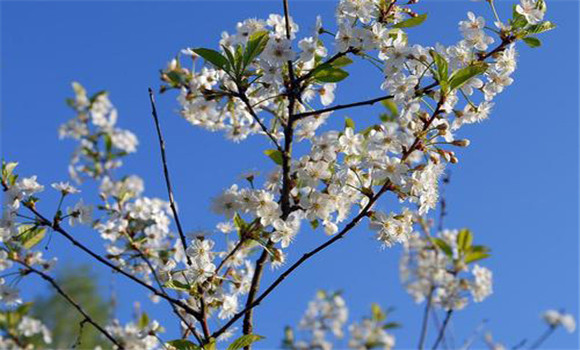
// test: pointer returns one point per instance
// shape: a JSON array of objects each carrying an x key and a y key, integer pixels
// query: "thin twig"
[
  {"x": 166, "y": 173},
  {"x": 425, "y": 319},
  {"x": 173, "y": 307},
  {"x": 81, "y": 327},
  {"x": 364, "y": 212},
  {"x": 543, "y": 337},
  {"x": 60, "y": 291},
  {"x": 285, "y": 191},
  {"x": 56, "y": 227},
  {"x": 304, "y": 258},
  {"x": 244, "y": 98},
  {"x": 442, "y": 330}
]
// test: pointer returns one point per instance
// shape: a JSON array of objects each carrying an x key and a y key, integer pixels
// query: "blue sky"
[{"x": 516, "y": 186}]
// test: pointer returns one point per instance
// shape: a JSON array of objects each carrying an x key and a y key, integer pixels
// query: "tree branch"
[
  {"x": 56, "y": 227},
  {"x": 364, "y": 212},
  {"x": 173, "y": 307},
  {"x": 166, "y": 174},
  {"x": 442, "y": 330},
  {"x": 543, "y": 337},
  {"x": 244, "y": 98},
  {"x": 425, "y": 319},
  {"x": 74, "y": 304}
]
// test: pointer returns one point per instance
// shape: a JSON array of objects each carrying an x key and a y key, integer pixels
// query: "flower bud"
[{"x": 461, "y": 143}]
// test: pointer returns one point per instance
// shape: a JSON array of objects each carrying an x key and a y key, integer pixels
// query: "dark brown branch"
[
  {"x": 372, "y": 101},
  {"x": 425, "y": 319},
  {"x": 162, "y": 289},
  {"x": 543, "y": 337},
  {"x": 204, "y": 324},
  {"x": 166, "y": 174},
  {"x": 442, "y": 330},
  {"x": 73, "y": 303},
  {"x": 293, "y": 94},
  {"x": 242, "y": 96},
  {"x": 56, "y": 227},
  {"x": 305, "y": 257},
  {"x": 256, "y": 278},
  {"x": 364, "y": 212}
]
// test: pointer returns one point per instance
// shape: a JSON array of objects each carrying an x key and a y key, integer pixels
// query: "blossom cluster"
[
  {"x": 101, "y": 143},
  {"x": 438, "y": 268},
  {"x": 266, "y": 80},
  {"x": 326, "y": 318}
]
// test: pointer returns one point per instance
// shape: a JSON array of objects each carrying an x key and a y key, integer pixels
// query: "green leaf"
[
  {"x": 176, "y": 78},
  {"x": 30, "y": 235},
  {"x": 314, "y": 223},
  {"x": 342, "y": 61},
  {"x": 461, "y": 76},
  {"x": 377, "y": 313},
  {"x": 239, "y": 222},
  {"x": 212, "y": 56},
  {"x": 244, "y": 341},
  {"x": 275, "y": 155},
  {"x": 532, "y": 41},
  {"x": 256, "y": 44},
  {"x": 183, "y": 344},
  {"x": 540, "y": 28},
  {"x": 411, "y": 22},
  {"x": 391, "y": 106},
  {"x": 475, "y": 256},
  {"x": 176, "y": 285},
  {"x": 443, "y": 246},
  {"x": 348, "y": 123},
  {"x": 211, "y": 345},
  {"x": 143, "y": 321},
  {"x": 464, "y": 240},
  {"x": 391, "y": 325},
  {"x": 479, "y": 248},
  {"x": 330, "y": 75},
  {"x": 442, "y": 73}
]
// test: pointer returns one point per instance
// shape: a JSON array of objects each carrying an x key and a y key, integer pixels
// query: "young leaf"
[
  {"x": 342, "y": 61},
  {"x": 464, "y": 240},
  {"x": 348, "y": 123},
  {"x": 211, "y": 345},
  {"x": 213, "y": 57},
  {"x": 443, "y": 246},
  {"x": 377, "y": 313},
  {"x": 391, "y": 106},
  {"x": 479, "y": 248},
  {"x": 30, "y": 235},
  {"x": 540, "y": 28},
  {"x": 461, "y": 76},
  {"x": 239, "y": 222},
  {"x": 176, "y": 285},
  {"x": 391, "y": 325},
  {"x": 411, "y": 22},
  {"x": 183, "y": 344},
  {"x": 330, "y": 75},
  {"x": 442, "y": 73},
  {"x": 244, "y": 341},
  {"x": 256, "y": 44},
  {"x": 532, "y": 41},
  {"x": 475, "y": 256},
  {"x": 275, "y": 155}
]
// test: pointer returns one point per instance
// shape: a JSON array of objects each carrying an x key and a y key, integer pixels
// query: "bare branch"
[
  {"x": 166, "y": 173},
  {"x": 425, "y": 319},
  {"x": 442, "y": 330},
  {"x": 543, "y": 337},
  {"x": 74, "y": 304}
]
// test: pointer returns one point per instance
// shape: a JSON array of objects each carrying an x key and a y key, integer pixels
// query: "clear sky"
[{"x": 516, "y": 186}]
